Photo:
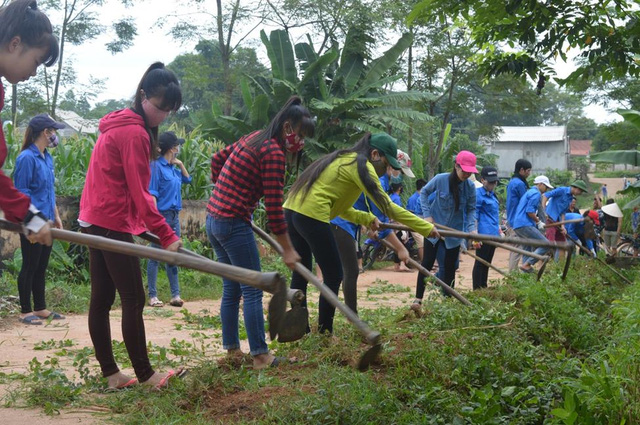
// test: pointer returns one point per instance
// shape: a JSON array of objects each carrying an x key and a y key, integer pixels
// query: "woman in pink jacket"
[{"x": 116, "y": 204}]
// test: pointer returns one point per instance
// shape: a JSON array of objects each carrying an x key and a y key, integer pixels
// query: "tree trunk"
[
  {"x": 14, "y": 104},
  {"x": 225, "y": 54},
  {"x": 63, "y": 35},
  {"x": 409, "y": 87}
]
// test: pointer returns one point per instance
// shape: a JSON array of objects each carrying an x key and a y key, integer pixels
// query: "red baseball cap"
[
  {"x": 467, "y": 161},
  {"x": 593, "y": 215}
]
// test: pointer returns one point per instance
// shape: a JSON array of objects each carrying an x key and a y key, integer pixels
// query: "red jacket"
[
  {"x": 13, "y": 203},
  {"x": 116, "y": 190}
]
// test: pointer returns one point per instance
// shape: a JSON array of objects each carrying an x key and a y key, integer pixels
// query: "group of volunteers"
[{"x": 133, "y": 185}]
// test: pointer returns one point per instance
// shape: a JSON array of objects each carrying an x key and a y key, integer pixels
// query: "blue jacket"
[
  {"x": 33, "y": 176},
  {"x": 529, "y": 203},
  {"x": 515, "y": 190},
  {"x": 487, "y": 212},
  {"x": 414, "y": 205},
  {"x": 442, "y": 208},
  {"x": 165, "y": 185},
  {"x": 559, "y": 200}
]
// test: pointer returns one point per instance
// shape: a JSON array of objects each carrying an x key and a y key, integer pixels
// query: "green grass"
[
  {"x": 526, "y": 352},
  {"x": 630, "y": 173}
]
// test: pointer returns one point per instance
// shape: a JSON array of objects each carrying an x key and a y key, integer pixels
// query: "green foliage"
[
  {"x": 558, "y": 177},
  {"x": 346, "y": 94},
  {"x": 554, "y": 351},
  {"x": 604, "y": 34}
]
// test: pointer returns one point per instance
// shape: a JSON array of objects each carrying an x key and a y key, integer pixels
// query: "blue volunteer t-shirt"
[
  {"x": 165, "y": 185},
  {"x": 529, "y": 203}
]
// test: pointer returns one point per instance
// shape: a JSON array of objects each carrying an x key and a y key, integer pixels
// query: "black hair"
[
  {"x": 420, "y": 183},
  {"x": 609, "y": 201},
  {"x": 522, "y": 164},
  {"x": 363, "y": 150},
  {"x": 157, "y": 81},
  {"x": 30, "y": 137},
  {"x": 22, "y": 18},
  {"x": 292, "y": 111},
  {"x": 454, "y": 181},
  {"x": 393, "y": 188}
]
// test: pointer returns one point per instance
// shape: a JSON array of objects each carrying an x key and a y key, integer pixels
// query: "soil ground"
[{"x": 17, "y": 340}]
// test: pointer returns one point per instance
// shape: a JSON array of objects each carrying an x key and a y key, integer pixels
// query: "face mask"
[
  {"x": 154, "y": 115},
  {"x": 293, "y": 143},
  {"x": 53, "y": 141},
  {"x": 396, "y": 179}
]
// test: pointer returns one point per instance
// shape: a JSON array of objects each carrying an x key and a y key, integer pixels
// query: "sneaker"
[
  {"x": 176, "y": 301},
  {"x": 155, "y": 302}
]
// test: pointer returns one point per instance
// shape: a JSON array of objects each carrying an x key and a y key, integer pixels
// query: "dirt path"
[
  {"x": 614, "y": 185},
  {"x": 18, "y": 341}
]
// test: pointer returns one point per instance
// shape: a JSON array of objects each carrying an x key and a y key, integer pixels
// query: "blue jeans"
[
  {"x": 234, "y": 243},
  {"x": 531, "y": 232},
  {"x": 172, "y": 217}
]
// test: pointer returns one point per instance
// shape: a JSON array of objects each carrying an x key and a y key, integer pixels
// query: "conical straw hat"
[{"x": 613, "y": 210}]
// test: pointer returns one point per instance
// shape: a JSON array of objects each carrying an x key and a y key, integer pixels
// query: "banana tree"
[
  {"x": 624, "y": 157},
  {"x": 346, "y": 93}
]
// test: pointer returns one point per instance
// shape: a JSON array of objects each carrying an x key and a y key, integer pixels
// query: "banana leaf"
[
  {"x": 283, "y": 54},
  {"x": 382, "y": 64},
  {"x": 617, "y": 157}
]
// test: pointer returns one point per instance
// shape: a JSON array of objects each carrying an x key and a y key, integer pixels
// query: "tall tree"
[
  {"x": 226, "y": 23},
  {"x": 201, "y": 77},
  {"x": 605, "y": 35},
  {"x": 81, "y": 22}
]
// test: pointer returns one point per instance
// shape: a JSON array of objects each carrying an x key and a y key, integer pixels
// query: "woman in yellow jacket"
[{"x": 328, "y": 188}]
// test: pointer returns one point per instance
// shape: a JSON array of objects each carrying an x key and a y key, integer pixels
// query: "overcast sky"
[{"x": 123, "y": 71}]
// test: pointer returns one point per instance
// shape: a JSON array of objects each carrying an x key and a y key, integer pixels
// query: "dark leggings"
[
  {"x": 449, "y": 266},
  {"x": 35, "y": 258},
  {"x": 480, "y": 271},
  {"x": 347, "y": 248},
  {"x": 111, "y": 272},
  {"x": 313, "y": 239}
]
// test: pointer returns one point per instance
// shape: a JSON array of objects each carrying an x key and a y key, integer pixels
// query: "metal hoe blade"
[
  {"x": 277, "y": 309},
  {"x": 295, "y": 325},
  {"x": 369, "y": 357}
]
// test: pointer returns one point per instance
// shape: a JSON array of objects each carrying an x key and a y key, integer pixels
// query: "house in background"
[
  {"x": 76, "y": 125},
  {"x": 545, "y": 147},
  {"x": 579, "y": 148}
]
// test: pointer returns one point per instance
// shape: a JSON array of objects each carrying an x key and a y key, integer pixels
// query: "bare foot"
[
  {"x": 118, "y": 380},
  {"x": 262, "y": 361},
  {"x": 42, "y": 313},
  {"x": 159, "y": 381}
]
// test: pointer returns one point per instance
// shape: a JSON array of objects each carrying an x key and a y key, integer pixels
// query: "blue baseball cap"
[{"x": 43, "y": 121}]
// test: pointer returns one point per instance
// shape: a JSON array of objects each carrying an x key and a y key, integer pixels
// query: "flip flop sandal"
[
  {"x": 31, "y": 320},
  {"x": 130, "y": 383},
  {"x": 164, "y": 382},
  {"x": 156, "y": 303},
  {"x": 54, "y": 316},
  {"x": 278, "y": 360}
]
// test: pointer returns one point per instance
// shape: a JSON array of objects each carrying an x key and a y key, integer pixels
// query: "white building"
[{"x": 545, "y": 147}]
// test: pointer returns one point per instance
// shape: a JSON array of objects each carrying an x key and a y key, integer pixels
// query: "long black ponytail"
[
  {"x": 363, "y": 150},
  {"x": 157, "y": 81}
]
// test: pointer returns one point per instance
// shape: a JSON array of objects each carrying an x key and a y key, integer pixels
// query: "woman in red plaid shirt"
[{"x": 243, "y": 173}]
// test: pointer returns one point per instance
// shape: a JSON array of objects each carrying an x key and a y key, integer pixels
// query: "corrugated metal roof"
[
  {"x": 532, "y": 134},
  {"x": 77, "y": 123},
  {"x": 579, "y": 147}
]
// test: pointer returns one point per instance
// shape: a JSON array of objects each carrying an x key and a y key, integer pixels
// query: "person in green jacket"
[{"x": 328, "y": 188}]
